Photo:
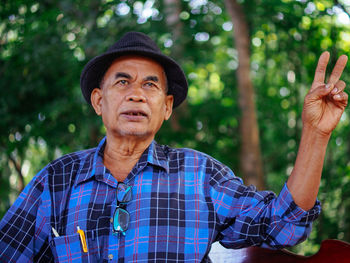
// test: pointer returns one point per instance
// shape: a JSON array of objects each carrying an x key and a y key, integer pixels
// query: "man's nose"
[{"x": 136, "y": 93}]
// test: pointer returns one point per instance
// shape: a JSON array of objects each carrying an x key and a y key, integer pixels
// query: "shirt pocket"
[{"x": 69, "y": 249}]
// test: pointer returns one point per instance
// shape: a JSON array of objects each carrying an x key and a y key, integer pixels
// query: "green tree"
[{"x": 45, "y": 44}]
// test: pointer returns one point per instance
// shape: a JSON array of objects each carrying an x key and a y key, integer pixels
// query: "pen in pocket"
[
  {"x": 55, "y": 233},
  {"x": 82, "y": 239}
]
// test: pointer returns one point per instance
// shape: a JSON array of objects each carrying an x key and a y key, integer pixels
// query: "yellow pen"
[{"x": 82, "y": 239}]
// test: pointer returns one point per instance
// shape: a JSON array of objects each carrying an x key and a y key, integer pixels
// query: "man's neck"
[{"x": 121, "y": 155}]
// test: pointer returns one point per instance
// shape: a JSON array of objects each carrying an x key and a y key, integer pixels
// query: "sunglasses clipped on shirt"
[{"x": 121, "y": 217}]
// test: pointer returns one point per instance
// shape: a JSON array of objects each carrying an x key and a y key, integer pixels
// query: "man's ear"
[
  {"x": 169, "y": 101},
  {"x": 96, "y": 100}
]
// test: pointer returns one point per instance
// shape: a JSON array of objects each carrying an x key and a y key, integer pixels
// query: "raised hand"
[{"x": 325, "y": 103}]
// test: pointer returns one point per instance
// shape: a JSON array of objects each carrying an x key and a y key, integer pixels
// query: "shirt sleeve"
[
  {"x": 23, "y": 229},
  {"x": 259, "y": 218}
]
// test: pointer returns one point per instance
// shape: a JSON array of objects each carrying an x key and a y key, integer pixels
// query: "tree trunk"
[
  {"x": 250, "y": 154},
  {"x": 18, "y": 168},
  {"x": 172, "y": 10}
]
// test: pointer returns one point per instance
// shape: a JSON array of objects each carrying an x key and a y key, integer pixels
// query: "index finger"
[
  {"x": 320, "y": 71},
  {"x": 338, "y": 69}
]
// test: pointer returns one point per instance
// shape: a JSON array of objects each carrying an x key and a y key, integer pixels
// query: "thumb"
[{"x": 320, "y": 91}]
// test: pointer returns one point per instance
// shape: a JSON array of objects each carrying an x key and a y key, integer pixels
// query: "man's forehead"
[
  {"x": 136, "y": 58},
  {"x": 130, "y": 65}
]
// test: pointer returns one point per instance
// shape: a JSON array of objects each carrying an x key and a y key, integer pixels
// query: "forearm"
[{"x": 305, "y": 178}]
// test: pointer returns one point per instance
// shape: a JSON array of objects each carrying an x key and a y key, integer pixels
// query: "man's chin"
[{"x": 134, "y": 133}]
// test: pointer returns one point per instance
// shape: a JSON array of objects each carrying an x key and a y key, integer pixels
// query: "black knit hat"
[{"x": 135, "y": 43}]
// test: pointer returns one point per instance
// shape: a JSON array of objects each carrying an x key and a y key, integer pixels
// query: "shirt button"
[
  {"x": 110, "y": 256},
  {"x": 111, "y": 220}
]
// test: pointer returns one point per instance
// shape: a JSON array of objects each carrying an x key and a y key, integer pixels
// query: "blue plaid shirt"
[{"x": 183, "y": 201}]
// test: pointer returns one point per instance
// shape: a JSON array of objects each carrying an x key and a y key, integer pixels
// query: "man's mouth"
[{"x": 135, "y": 113}]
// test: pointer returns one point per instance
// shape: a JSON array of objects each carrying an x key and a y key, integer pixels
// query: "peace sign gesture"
[{"x": 324, "y": 104}]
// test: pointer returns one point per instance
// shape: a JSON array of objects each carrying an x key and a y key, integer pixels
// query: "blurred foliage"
[{"x": 45, "y": 44}]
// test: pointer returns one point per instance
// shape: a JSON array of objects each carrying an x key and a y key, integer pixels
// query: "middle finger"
[{"x": 338, "y": 69}]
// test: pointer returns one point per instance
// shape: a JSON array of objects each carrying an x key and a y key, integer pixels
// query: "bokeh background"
[{"x": 239, "y": 117}]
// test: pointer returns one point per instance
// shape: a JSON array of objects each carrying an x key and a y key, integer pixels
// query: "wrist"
[{"x": 315, "y": 133}]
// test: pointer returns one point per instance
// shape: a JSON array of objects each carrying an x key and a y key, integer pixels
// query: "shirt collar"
[
  {"x": 95, "y": 164},
  {"x": 154, "y": 155}
]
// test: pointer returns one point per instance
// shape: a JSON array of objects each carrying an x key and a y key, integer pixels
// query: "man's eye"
[
  {"x": 122, "y": 82},
  {"x": 150, "y": 85}
]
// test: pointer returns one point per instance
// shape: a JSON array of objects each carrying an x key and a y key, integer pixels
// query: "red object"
[{"x": 331, "y": 251}]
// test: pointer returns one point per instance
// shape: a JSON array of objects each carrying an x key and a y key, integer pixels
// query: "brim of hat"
[{"x": 95, "y": 69}]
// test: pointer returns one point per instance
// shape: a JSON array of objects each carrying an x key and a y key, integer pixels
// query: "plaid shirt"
[{"x": 183, "y": 201}]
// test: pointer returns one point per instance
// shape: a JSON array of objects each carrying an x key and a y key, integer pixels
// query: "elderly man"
[{"x": 132, "y": 200}]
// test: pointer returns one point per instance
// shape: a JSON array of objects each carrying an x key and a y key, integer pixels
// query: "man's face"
[{"x": 132, "y": 99}]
